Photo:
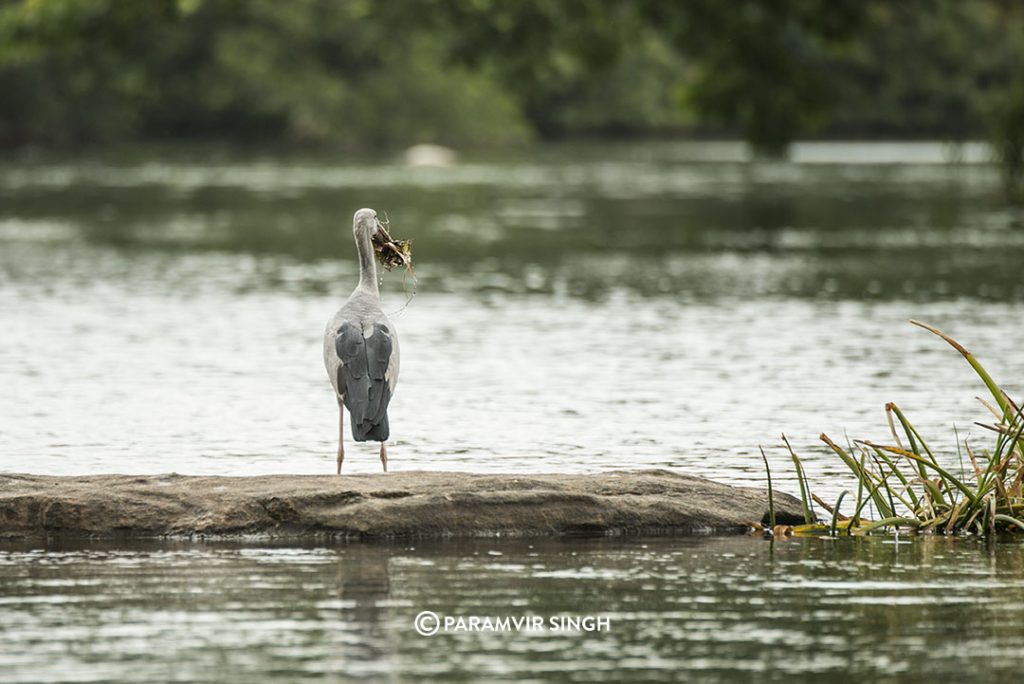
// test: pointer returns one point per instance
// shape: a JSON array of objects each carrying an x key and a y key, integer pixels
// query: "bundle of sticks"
[{"x": 391, "y": 252}]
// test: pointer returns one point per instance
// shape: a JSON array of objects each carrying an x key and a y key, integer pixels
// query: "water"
[
  {"x": 577, "y": 309},
  {"x": 713, "y": 610}
]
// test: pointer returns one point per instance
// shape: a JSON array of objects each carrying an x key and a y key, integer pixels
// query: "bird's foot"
[{"x": 384, "y": 456}]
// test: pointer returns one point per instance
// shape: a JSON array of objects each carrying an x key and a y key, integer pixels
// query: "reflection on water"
[
  {"x": 716, "y": 609},
  {"x": 684, "y": 220},
  {"x": 578, "y": 308}
]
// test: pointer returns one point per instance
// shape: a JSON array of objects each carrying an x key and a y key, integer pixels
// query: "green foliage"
[
  {"x": 638, "y": 94},
  {"x": 921, "y": 63},
  {"x": 80, "y": 71},
  {"x": 1008, "y": 137},
  {"x": 359, "y": 74},
  {"x": 763, "y": 67}
]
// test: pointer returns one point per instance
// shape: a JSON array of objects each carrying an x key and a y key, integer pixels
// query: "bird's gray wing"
[{"x": 362, "y": 378}]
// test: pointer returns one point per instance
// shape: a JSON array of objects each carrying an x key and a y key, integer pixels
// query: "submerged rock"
[{"x": 410, "y": 504}]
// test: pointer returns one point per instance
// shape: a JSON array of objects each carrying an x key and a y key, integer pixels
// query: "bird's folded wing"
[{"x": 362, "y": 374}]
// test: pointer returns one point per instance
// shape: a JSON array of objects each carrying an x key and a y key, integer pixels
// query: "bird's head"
[{"x": 365, "y": 220}]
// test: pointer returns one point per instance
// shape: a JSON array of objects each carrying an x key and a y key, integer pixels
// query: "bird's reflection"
[{"x": 364, "y": 586}]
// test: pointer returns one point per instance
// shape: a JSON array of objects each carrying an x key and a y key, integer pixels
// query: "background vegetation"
[{"x": 364, "y": 75}]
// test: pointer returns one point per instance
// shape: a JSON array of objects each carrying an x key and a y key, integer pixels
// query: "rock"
[{"x": 410, "y": 504}]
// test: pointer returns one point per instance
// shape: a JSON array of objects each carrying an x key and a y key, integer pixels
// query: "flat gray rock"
[{"x": 405, "y": 504}]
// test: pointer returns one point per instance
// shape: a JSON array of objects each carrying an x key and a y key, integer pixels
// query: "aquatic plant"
[
  {"x": 391, "y": 252},
  {"x": 908, "y": 486}
]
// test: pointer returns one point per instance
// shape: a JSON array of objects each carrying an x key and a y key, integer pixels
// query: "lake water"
[
  {"x": 577, "y": 309},
  {"x": 709, "y": 610}
]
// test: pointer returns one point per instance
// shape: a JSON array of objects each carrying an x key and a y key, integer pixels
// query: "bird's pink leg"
[
  {"x": 341, "y": 435},
  {"x": 384, "y": 456}
]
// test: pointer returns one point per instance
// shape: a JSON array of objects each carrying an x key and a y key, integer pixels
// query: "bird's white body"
[
  {"x": 361, "y": 350},
  {"x": 355, "y": 310}
]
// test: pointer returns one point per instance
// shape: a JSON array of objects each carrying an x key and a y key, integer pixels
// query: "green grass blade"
[
  {"x": 835, "y": 513},
  {"x": 894, "y": 468},
  {"x": 1009, "y": 520},
  {"x": 888, "y": 489},
  {"x": 771, "y": 496},
  {"x": 860, "y": 489},
  {"x": 912, "y": 433},
  {"x": 943, "y": 473},
  {"x": 959, "y": 453},
  {"x": 869, "y": 497},
  {"x": 894, "y": 496},
  {"x": 997, "y": 393},
  {"x": 805, "y": 497},
  {"x": 859, "y": 471}
]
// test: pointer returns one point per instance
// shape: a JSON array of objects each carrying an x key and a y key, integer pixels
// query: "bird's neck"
[{"x": 367, "y": 267}]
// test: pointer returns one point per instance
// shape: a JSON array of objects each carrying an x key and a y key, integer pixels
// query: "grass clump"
[{"x": 907, "y": 485}]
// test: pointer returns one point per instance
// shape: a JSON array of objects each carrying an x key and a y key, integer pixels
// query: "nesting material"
[{"x": 391, "y": 252}]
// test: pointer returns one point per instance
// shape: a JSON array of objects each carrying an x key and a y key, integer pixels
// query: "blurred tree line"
[{"x": 359, "y": 74}]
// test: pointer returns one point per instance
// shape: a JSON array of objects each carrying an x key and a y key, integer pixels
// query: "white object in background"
[{"x": 429, "y": 155}]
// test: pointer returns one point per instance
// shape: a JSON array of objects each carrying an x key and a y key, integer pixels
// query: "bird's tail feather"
[{"x": 371, "y": 432}]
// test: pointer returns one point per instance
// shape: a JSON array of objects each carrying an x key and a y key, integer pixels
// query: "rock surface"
[{"x": 416, "y": 504}]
